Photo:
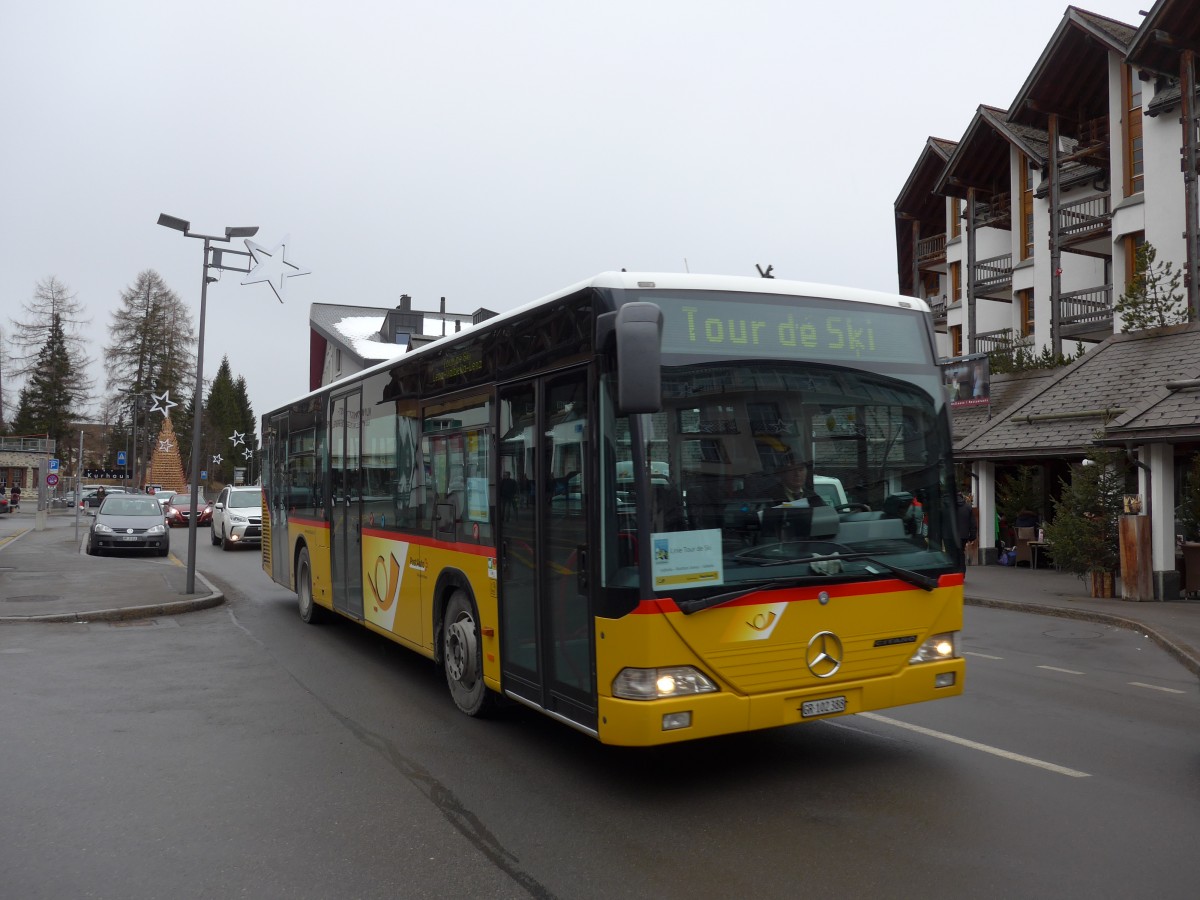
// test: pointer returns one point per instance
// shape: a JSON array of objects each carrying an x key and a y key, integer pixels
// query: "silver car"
[
  {"x": 237, "y": 517},
  {"x": 129, "y": 522}
]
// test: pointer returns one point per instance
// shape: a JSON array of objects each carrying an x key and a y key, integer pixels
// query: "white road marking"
[
  {"x": 1064, "y": 671},
  {"x": 975, "y": 745},
  {"x": 1155, "y": 687},
  {"x": 983, "y": 655}
]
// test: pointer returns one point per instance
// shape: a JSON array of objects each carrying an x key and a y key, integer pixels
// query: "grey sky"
[{"x": 488, "y": 152}]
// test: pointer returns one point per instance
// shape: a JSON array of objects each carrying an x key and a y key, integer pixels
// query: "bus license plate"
[{"x": 822, "y": 707}]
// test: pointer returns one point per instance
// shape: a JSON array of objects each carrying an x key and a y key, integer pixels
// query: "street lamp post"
[{"x": 197, "y": 403}]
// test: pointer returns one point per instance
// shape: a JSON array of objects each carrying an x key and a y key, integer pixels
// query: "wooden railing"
[
  {"x": 1085, "y": 217},
  {"x": 1000, "y": 339},
  {"x": 996, "y": 211},
  {"x": 1087, "y": 310},
  {"x": 993, "y": 274},
  {"x": 931, "y": 247}
]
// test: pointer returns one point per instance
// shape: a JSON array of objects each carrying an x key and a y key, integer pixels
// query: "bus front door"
[
  {"x": 345, "y": 497},
  {"x": 547, "y": 644}
]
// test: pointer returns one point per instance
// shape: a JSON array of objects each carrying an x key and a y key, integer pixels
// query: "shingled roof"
[
  {"x": 1131, "y": 386},
  {"x": 1006, "y": 390}
]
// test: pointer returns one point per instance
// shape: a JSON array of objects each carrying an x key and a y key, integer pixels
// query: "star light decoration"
[
  {"x": 248, "y": 453},
  {"x": 162, "y": 403},
  {"x": 238, "y": 437},
  {"x": 217, "y": 460},
  {"x": 272, "y": 266},
  {"x": 165, "y": 446}
]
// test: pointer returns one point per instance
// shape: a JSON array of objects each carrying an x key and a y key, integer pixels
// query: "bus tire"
[
  {"x": 310, "y": 612},
  {"x": 462, "y": 656}
]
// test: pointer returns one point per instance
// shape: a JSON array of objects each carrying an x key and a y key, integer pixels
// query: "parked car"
[
  {"x": 4, "y": 505},
  {"x": 91, "y": 497},
  {"x": 179, "y": 511},
  {"x": 128, "y": 522},
  {"x": 237, "y": 517}
]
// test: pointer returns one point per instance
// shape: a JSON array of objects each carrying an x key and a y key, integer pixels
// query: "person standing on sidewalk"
[{"x": 16, "y": 497}]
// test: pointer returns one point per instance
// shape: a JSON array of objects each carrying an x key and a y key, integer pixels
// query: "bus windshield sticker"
[{"x": 687, "y": 558}]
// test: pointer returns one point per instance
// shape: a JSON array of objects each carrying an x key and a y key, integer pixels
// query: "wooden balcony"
[
  {"x": 996, "y": 213},
  {"x": 931, "y": 250},
  {"x": 1087, "y": 313},
  {"x": 1004, "y": 339},
  {"x": 1083, "y": 220},
  {"x": 993, "y": 275}
]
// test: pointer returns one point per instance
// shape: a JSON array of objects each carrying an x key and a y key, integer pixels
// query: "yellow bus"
[{"x": 579, "y": 505}]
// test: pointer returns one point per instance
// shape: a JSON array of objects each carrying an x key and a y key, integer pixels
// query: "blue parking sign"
[{"x": 54, "y": 465}]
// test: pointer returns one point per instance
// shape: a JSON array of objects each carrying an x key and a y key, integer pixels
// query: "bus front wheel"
[
  {"x": 462, "y": 656},
  {"x": 310, "y": 613}
]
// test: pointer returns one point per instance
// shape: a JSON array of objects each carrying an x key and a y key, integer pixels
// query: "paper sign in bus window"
[{"x": 687, "y": 558}]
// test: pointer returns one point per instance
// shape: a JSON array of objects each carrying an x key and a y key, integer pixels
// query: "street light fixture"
[{"x": 185, "y": 227}]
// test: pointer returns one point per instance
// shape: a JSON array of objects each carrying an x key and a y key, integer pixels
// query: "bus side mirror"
[{"x": 639, "y": 328}]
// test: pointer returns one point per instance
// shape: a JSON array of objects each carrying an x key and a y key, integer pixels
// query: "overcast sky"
[{"x": 488, "y": 152}]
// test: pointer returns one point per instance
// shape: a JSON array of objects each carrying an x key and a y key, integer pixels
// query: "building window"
[
  {"x": 1025, "y": 302},
  {"x": 955, "y": 217},
  {"x": 1132, "y": 242},
  {"x": 955, "y": 340},
  {"x": 1027, "y": 170},
  {"x": 1134, "y": 162},
  {"x": 955, "y": 282}
]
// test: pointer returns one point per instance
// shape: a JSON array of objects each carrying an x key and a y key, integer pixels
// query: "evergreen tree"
[
  {"x": 49, "y": 401},
  {"x": 223, "y": 415},
  {"x": 29, "y": 336},
  {"x": 1152, "y": 299},
  {"x": 152, "y": 341}
]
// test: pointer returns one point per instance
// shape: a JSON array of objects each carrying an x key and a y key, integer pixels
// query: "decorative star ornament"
[
  {"x": 162, "y": 403},
  {"x": 248, "y": 453},
  {"x": 217, "y": 460},
  {"x": 272, "y": 266},
  {"x": 165, "y": 446},
  {"x": 238, "y": 437}
]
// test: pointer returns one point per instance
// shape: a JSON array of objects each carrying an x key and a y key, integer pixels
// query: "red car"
[{"x": 179, "y": 511}]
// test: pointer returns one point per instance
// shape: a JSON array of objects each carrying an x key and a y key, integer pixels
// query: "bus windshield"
[{"x": 804, "y": 467}]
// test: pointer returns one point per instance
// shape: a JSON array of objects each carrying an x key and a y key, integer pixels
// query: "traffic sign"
[
  {"x": 120, "y": 457},
  {"x": 51, "y": 479},
  {"x": 54, "y": 465},
  {"x": 204, "y": 475}
]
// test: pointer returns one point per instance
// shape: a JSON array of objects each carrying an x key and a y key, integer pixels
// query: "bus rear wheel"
[
  {"x": 462, "y": 656},
  {"x": 310, "y": 613}
]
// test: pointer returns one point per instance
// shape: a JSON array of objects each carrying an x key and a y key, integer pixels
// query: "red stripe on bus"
[
  {"x": 797, "y": 594},
  {"x": 422, "y": 541}
]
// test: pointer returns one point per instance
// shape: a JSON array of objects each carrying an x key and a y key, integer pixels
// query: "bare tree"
[
  {"x": 152, "y": 339},
  {"x": 51, "y": 298}
]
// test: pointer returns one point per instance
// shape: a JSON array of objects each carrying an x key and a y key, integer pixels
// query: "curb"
[
  {"x": 1182, "y": 654},
  {"x": 170, "y": 608}
]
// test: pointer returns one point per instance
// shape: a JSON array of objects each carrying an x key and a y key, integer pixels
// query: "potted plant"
[{"x": 1083, "y": 533}]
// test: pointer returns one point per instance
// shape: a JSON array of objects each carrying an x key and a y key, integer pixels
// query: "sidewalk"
[
  {"x": 1174, "y": 625},
  {"x": 46, "y": 577}
]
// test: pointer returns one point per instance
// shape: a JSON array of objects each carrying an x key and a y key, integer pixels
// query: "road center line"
[
  {"x": 1155, "y": 687},
  {"x": 1064, "y": 671},
  {"x": 975, "y": 745}
]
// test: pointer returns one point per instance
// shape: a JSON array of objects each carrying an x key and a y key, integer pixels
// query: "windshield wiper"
[
  {"x": 916, "y": 579},
  {"x": 687, "y": 607}
]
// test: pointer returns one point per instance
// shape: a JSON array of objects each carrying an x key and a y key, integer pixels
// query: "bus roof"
[{"x": 663, "y": 281}]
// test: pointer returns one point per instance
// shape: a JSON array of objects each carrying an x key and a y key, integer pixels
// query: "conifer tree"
[
  {"x": 49, "y": 401},
  {"x": 31, "y": 333},
  {"x": 1152, "y": 299}
]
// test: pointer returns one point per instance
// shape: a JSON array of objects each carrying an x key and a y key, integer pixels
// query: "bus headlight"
[
  {"x": 936, "y": 647},
  {"x": 657, "y": 684}
]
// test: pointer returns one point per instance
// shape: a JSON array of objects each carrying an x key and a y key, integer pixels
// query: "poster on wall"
[{"x": 968, "y": 380}]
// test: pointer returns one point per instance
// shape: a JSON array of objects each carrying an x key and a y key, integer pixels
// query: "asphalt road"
[{"x": 238, "y": 751}]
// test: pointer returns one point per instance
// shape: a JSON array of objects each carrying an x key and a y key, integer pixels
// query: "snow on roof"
[{"x": 362, "y": 333}]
